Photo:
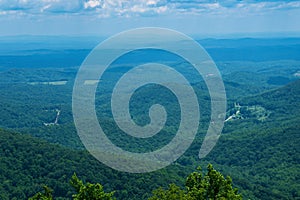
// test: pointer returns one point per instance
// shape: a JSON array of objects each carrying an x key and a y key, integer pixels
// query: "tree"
[
  {"x": 212, "y": 186},
  {"x": 89, "y": 191},
  {"x": 86, "y": 191},
  {"x": 173, "y": 193},
  {"x": 47, "y": 195}
]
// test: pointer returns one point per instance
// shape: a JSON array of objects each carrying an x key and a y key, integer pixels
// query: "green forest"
[
  {"x": 212, "y": 185},
  {"x": 264, "y": 167},
  {"x": 256, "y": 157}
]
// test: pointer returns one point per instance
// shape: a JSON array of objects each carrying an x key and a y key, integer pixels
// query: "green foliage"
[
  {"x": 261, "y": 156},
  {"x": 172, "y": 193},
  {"x": 212, "y": 186},
  {"x": 46, "y": 195},
  {"x": 89, "y": 191},
  {"x": 26, "y": 163},
  {"x": 86, "y": 191}
]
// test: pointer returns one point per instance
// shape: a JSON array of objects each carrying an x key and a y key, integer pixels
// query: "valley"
[{"x": 258, "y": 148}]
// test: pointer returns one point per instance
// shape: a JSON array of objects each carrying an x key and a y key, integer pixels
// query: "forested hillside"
[
  {"x": 28, "y": 163},
  {"x": 262, "y": 157},
  {"x": 259, "y": 146}
]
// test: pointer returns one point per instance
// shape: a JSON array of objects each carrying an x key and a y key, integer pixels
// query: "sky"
[{"x": 106, "y": 17}]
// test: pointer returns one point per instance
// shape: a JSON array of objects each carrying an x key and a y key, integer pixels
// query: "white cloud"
[
  {"x": 155, "y": 2},
  {"x": 162, "y": 9},
  {"x": 91, "y": 4},
  {"x": 110, "y": 8},
  {"x": 45, "y": 7}
]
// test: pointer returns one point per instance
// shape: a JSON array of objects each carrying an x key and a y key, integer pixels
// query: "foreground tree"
[
  {"x": 86, "y": 191},
  {"x": 46, "y": 195},
  {"x": 89, "y": 191},
  {"x": 212, "y": 186}
]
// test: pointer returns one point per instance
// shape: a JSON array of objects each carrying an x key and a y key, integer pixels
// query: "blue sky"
[{"x": 105, "y": 17}]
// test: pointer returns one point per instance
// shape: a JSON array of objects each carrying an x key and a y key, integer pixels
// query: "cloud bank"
[
  {"x": 112, "y": 16},
  {"x": 133, "y": 8}
]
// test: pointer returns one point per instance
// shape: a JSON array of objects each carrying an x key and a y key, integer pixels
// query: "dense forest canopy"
[{"x": 258, "y": 148}]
